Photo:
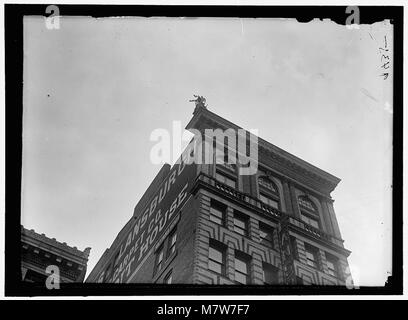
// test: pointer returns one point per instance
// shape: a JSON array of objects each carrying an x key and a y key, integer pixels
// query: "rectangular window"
[
  {"x": 266, "y": 235},
  {"x": 216, "y": 257},
  {"x": 168, "y": 278},
  {"x": 307, "y": 203},
  {"x": 240, "y": 223},
  {"x": 226, "y": 180},
  {"x": 241, "y": 268},
  {"x": 217, "y": 212},
  {"x": 172, "y": 243},
  {"x": 159, "y": 258},
  {"x": 269, "y": 201},
  {"x": 311, "y": 256},
  {"x": 332, "y": 265},
  {"x": 310, "y": 220},
  {"x": 270, "y": 274},
  {"x": 294, "y": 247}
]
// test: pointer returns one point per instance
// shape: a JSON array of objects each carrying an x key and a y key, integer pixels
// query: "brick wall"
[{"x": 181, "y": 263}]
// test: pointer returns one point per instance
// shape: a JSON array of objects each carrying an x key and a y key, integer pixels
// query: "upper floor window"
[
  {"x": 306, "y": 203},
  {"x": 268, "y": 192},
  {"x": 166, "y": 249},
  {"x": 217, "y": 212},
  {"x": 226, "y": 179},
  {"x": 308, "y": 212},
  {"x": 216, "y": 257},
  {"x": 268, "y": 184},
  {"x": 240, "y": 223},
  {"x": 310, "y": 220},
  {"x": 269, "y": 201},
  {"x": 266, "y": 235},
  {"x": 270, "y": 274},
  {"x": 242, "y": 268},
  {"x": 312, "y": 256},
  {"x": 159, "y": 258},
  {"x": 172, "y": 243},
  {"x": 332, "y": 265}
]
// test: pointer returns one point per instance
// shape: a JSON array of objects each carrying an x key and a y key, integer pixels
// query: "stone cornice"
[
  {"x": 292, "y": 165},
  {"x": 30, "y": 236}
]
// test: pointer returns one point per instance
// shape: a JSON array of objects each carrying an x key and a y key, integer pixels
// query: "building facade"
[
  {"x": 39, "y": 252},
  {"x": 205, "y": 223}
]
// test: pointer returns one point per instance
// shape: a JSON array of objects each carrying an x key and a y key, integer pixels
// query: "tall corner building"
[{"x": 206, "y": 223}]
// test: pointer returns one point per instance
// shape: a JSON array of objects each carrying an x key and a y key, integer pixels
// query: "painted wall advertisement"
[{"x": 150, "y": 224}]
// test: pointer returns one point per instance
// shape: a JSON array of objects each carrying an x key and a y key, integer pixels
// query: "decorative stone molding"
[
  {"x": 286, "y": 163},
  {"x": 27, "y": 235}
]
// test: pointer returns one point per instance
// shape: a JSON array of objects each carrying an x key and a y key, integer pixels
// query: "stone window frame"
[
  {"x": 160, "y": 259},
  {"x": 305, "y": 211},
  {"x": 316, "y": 256},
  {"x": 271, "y": 231},
  {"x": 171, "y": 247},
  {"x": 245, "y": 259},
  {"x": 276, "y": 194},
  {"x": 217, "y": 205},
  {"x": 221, "y": 248},
  {"x": 265, "y": 266},
  {"x": 337, "y": 266},
  {"x": 237, "y": 215}
]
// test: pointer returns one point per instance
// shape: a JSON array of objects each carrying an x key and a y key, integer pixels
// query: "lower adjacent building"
[
  {"x": 42, "y": 256},
  {"x": 205, "y": 223}
]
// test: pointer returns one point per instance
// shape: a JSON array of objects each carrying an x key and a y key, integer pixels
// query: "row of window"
[
  {"x": 269, "y": 194},
  {"x": 241, "y": 222},
  {"x": 313, "y": 260},
  {"x": 217, "y": 258},
  {"x": 162, "y": 254},
  {"x": 242, "y": 264}
]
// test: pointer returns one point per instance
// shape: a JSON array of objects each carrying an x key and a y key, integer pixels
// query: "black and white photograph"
[{"x": 192, "y": 151}]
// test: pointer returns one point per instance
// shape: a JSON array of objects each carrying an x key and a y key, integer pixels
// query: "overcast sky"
[{"x": 95, "y": 89}]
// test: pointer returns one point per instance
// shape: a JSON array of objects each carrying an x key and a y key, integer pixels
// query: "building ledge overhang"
[
  {"x": 54, "y": 246},
  {"x": 205, "y": 119}
]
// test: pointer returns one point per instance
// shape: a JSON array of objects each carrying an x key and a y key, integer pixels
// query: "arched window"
[
  {"x": 268, "y": 192},
  {"x": 267, "y": 183},
  {"x": 309, "y": 212}
]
